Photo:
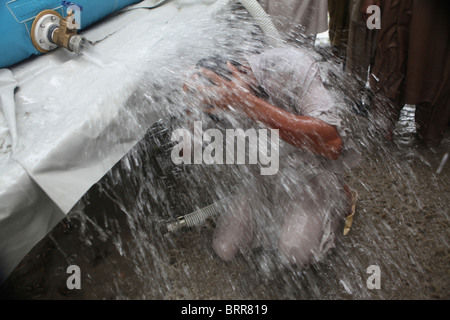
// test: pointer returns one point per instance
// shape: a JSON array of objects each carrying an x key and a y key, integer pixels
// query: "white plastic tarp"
[{"x": 72, "y": 119}]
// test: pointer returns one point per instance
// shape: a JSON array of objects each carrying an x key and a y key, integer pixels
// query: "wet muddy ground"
[{"x": 401, "y": 226}]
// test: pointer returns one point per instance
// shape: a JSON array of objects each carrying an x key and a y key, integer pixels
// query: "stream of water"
[{"x": 117, "y": 235}]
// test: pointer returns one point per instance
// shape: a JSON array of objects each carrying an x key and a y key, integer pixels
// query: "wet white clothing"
[{"x": 292, "y": 80}]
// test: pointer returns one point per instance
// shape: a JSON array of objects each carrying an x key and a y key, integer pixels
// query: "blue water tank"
[{"x": 17, "y": 16}]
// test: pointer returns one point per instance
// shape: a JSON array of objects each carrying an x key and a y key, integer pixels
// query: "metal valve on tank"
[{"x": 50, "y": 30}]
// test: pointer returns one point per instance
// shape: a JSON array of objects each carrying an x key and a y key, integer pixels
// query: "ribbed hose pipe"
[
  {"x": 196, "y": 218},
  {"x": 264, "y": 22}
]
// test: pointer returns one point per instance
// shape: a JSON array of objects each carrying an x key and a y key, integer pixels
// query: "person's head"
[{"x": 218, "y": 65}]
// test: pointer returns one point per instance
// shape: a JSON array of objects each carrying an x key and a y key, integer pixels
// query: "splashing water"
[
  {"x": 89, "y": 53},
  {"x": 401, "y": 224}
]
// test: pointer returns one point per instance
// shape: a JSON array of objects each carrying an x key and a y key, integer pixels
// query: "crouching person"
[{"x": 299, "y": 209}]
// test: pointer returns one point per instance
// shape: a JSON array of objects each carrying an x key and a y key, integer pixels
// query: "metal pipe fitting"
[
  {"x": 196, "y": 218},
  {"x": 76, "y": 42},
  {"x": 50, "y": 30}
]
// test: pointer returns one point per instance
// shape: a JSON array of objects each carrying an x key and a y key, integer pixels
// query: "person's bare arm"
[{"x": 304, "y": 132}]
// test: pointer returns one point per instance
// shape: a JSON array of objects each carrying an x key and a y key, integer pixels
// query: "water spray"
[
  {"x": 50, "y": 30},
  {"x": 443, "y": 162}
]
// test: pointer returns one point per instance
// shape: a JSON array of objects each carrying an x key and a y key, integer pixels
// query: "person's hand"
[
  {"x": 366, "y": 4},
  {"x": 224, "y": 94}
]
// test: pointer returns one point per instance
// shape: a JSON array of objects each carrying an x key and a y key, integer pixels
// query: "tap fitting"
[{"x": 50, "y": 30}]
